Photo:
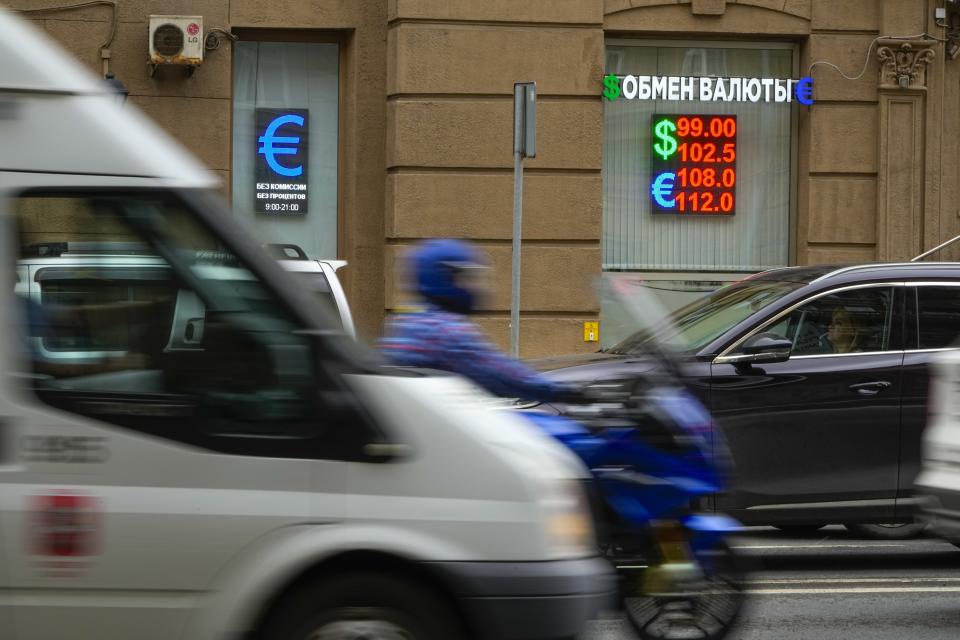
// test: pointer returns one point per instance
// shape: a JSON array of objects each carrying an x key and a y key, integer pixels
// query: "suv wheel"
[
  {"x": 899, "y": 531},
  {"x": 362, "y": 606}
]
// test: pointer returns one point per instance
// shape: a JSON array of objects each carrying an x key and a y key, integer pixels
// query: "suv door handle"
[{"x": 870, "y": 388}]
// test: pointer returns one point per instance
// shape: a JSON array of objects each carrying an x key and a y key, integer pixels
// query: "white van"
[
  {"x": 273, "y": 481},
  {"x": 938, "y": 484}
]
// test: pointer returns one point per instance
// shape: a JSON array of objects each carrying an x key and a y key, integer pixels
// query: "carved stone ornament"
[{"x": 903, "y": 63}]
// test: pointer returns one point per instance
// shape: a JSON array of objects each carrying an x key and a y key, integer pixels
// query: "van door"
[{"x": 143, "y": 471}]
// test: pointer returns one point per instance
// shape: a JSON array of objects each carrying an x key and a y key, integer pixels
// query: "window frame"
[
  {"x": 343, "y": 39},
  {"x": 913, "y": 313},
  {"x": 729, "y": 355},
  {"x": 794, "y": 187},
  {"x": 50, "y": 272}
]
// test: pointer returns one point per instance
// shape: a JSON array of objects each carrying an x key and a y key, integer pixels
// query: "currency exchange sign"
[
  {"x": 694, "y": 164},
  {"x": 280, "y": 164}
]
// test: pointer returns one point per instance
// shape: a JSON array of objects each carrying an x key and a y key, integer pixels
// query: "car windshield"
[{"x": 697, "y": 324}]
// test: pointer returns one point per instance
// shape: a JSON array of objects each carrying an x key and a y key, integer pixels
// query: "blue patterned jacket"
[{"x": 433, "y": 338}]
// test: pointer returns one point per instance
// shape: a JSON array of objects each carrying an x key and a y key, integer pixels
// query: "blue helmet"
[{"x": 436, "y": 267}]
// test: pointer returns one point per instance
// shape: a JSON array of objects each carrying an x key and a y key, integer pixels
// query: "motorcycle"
[{"x": 654, "y": 456}]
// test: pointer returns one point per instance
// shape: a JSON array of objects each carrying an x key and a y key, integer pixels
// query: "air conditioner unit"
[{"x": 176, "y": 40}]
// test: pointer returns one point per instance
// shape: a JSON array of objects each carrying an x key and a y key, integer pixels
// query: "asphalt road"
[{"x": 831, "y": 585}]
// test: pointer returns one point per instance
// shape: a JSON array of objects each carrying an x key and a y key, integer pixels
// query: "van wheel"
[
  {"x": 362, "y": 606},
  {"x": 900, "y": 531}
]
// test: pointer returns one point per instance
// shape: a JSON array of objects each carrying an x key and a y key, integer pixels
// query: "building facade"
[{"x": 402, "y": 116}]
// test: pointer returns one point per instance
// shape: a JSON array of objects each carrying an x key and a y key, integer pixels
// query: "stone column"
[{"x": 900, "y": 183}]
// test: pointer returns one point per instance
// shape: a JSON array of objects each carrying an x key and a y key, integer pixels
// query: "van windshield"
[
  {"x": 140, "y": 314},
  {"x": 692, "y": 327}
]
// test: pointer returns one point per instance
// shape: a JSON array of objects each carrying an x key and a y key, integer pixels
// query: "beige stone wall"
[
  {"x": 427, "y": 127},
  {"x": 197, "y": 109},
  {"x": 875, "y": 178},
  {"x": 837, "y": 218},
  {"x": 451, "y": 69}
]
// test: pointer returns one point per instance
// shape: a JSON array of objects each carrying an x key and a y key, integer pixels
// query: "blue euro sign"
[
  {"x": 661, "y": 190},
  {"x": 803, "y": 90},
  {"x": 270, "y": 138}
]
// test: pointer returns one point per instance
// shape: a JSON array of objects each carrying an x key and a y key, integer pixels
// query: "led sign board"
[
  {"x": 280, "y": 165},
  {"x": 697, "y": 89},
  {"x": 694, "y": 164}
]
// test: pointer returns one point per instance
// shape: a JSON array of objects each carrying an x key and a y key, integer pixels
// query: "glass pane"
[
  {"x": 129, "y": 327},
  {"x": 939, "y": 309},
  {"x": 757, "y": 236},
  {"x": 701, "y": 322},
  {"x": 288, "y": 76},
  {"x": 847, "y": 322}
]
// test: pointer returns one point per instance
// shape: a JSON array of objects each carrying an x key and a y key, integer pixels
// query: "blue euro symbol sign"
[
  {"x": 803, "y": 90},
  {"x": 270, "y": 138},
  {"x": 661, "y": 190}
]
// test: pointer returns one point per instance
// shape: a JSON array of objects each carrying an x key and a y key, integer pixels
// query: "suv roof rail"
[
  {"x": 286, "y": 252},
  {"x": 57, "y": 249},
  {"x": 882, "y": 265}
]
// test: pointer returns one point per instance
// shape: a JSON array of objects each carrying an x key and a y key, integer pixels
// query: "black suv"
[{"x": 818, "y": 378}]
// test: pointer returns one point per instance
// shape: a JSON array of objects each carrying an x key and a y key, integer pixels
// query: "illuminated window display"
[
  {"x": 694, "y": 164},
  {"x": 285, "y": 142},
  {"x": 698, "y": 156}
]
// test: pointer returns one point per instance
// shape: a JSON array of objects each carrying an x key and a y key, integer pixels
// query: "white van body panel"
[
  {"x": 400, "y": 508},
  {"x": 495, "y": 468},
  {"x": 172, "y": 518}
]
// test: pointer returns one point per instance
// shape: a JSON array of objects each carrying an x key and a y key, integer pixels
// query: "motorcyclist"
[{"x": 447, "y": 274}]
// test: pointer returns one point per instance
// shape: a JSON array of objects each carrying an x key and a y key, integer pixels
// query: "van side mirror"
[{"x": 766, "y": 347}]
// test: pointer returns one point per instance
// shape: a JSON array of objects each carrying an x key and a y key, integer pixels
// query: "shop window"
[
  {"x": 285, "y": 136},
  {"x": 747, "y": 231}
]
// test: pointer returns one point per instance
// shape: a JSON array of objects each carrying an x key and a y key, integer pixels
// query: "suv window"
[
  {"x": 845, "y": 322},
  {"x": 74, "y": 288},
  {"x": 938, "y": 313},
  {"x": 194, "y": 348}
]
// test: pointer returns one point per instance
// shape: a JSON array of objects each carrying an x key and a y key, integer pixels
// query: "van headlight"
[{"x": 569, "y": 522}]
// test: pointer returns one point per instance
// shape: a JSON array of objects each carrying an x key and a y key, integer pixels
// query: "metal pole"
[
  {"x": 518, "y": 127},
  {"x": 935, "y": 249},
  {"x": 515, "y": 291}
]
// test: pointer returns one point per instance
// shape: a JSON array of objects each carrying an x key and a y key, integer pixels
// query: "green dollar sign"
[
  {"x": 668, "y": 146},
  {"x": 612, "y": 87}
]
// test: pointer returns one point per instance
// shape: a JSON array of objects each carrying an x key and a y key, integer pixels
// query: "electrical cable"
[
  {"x": 212, "y": 40},
  {"x": 866, "y": 63},
  {"x": 83, "y": 5}
]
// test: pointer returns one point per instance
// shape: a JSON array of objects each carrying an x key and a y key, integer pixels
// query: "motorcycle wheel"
[{"x": 707, "y": 610}]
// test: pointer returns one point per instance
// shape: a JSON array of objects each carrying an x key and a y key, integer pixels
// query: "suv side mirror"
[{"x": 766, "y": 347}]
